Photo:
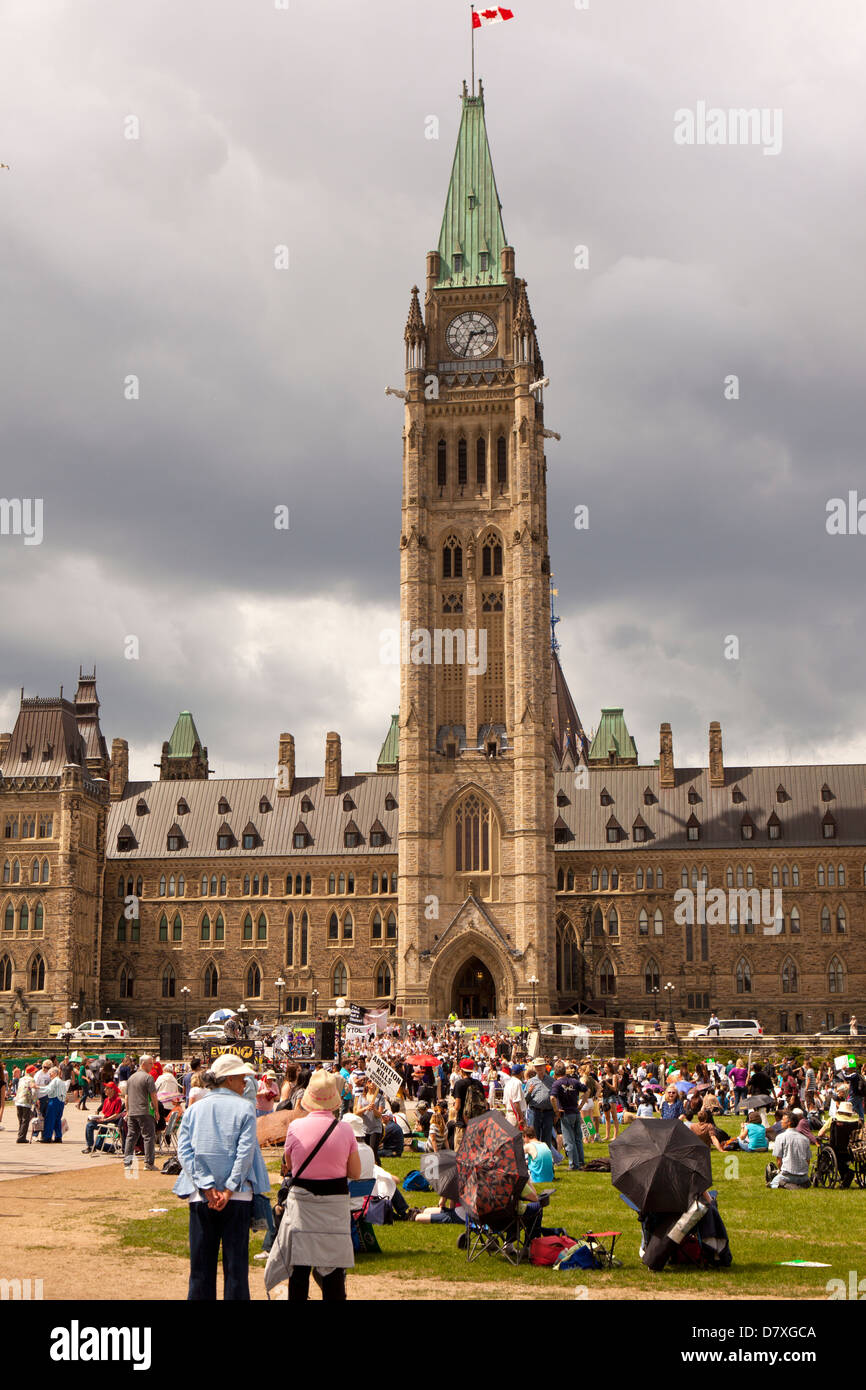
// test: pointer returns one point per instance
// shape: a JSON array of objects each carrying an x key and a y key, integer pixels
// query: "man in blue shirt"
[{"x": 565, "y": 1096}]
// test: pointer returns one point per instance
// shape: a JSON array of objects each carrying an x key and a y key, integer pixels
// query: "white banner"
[{"x": 384, "y": 1076}]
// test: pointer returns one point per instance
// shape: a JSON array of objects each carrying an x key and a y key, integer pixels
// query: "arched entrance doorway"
[{"x": 474, "y": 991}]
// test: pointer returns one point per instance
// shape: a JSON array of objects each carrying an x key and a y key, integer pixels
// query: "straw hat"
[
  {"x": 539, "y": 1062},
  {"x": 321, "y": 1093},
  {"x": 847, "y": 1114}
]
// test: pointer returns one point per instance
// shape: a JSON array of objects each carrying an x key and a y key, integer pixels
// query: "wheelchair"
[{"x": 826, "y": 1170}]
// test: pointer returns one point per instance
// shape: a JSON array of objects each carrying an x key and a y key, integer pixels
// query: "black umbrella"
[
  {"x": 440, "y": 1170},
  {"x": 660, "y": 1165}
]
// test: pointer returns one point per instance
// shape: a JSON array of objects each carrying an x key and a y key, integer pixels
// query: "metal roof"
[
  {"x": 390, "y": 750},
  {"x": 801, "y": 815},
  {"x": 326, "y": 822},
  {"x": 46, "y": 737},
  {"x": 184, "y": 736}
]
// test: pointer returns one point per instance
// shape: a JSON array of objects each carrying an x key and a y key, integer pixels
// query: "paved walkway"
[{"x": 32, "y": 1160}]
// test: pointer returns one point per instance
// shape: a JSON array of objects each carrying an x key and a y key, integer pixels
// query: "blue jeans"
[
  {"x": 207, "y": 1229},
  {"x": 53, "y": 1120},
  {"x": 572, "y": 1135},
  {"x": 857, "y": 1102},
  {"x": 542, "y": 1123}
]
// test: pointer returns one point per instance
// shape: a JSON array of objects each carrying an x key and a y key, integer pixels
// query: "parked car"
[
  {"x": 731, "y": 1028},
  {"x": 208, "y": 1032},
  {"x": 841, "y": 1030},
  {"x": 574, "y": 1033},
  {"x": 98, "y": 1029}
]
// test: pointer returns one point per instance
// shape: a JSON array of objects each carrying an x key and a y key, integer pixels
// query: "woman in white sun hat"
[{"x": 321, "y": 1159}]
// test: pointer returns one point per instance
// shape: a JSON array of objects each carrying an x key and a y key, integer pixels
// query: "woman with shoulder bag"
[{"x": 321, "y": 1158}]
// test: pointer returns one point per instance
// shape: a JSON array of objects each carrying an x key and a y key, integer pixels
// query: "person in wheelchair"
[{"x": 841, "y": 1130}]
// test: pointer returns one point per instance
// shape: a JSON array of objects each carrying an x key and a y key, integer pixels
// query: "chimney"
[
  {"x": 5, "y": 742},
  {"x": 666, "y": 756},
  {"x": 717, "y": 763},
  {"x": 333, "y": 764},
  {"x": 119, "y": 771},
  {"x": 285, "y": 765}
]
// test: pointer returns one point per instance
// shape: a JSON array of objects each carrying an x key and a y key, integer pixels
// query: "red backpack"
[{"x": 545, "y": 1250}]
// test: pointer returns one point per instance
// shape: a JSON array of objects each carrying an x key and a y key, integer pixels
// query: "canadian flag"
[{"x": 496, "y": 16}]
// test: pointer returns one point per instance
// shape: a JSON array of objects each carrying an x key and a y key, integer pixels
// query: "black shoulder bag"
[{"x": 284, "y": 1191}]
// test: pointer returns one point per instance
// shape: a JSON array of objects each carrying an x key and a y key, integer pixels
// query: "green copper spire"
[
  {"x": 472, "y": 235},
  {"x": 390, "y": 751},
  {"x": 612, "y": 737},
  {"x": 184, "y": 736}
]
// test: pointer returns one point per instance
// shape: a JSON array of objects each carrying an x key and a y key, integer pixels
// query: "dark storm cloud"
[{"x": 261, "y": 387}]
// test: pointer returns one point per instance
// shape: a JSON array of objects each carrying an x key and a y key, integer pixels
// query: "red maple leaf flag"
[{"x": 493, "y": 16}]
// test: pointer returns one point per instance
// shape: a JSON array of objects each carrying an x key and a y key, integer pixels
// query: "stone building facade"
[{"x": 497, "y": 858}]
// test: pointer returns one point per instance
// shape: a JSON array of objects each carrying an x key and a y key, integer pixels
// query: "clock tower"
[{"x": 476, "y": 881}]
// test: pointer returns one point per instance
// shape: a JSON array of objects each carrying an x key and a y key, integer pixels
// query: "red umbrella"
[{"x": 424, "y": 1059}]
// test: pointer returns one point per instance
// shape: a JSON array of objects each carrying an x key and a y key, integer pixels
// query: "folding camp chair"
[
  {"x": 108, "y": 1138},
  {"x": 505, "y": 1233},
  {"x": 166, "y": 1139}
]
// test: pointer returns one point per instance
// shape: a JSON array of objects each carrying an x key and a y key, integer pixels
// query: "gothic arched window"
[
  {"x": 340, "y": 980},
  {"x": 501, "y": 461},
  {"x": 442, "y": 463},
  {"x": 5, "y": 973},
  {"x": 461, "y": 463},
  {"x": 790, "y": 977},
  {"x": 651, "y": 976},
  {"x": 491, "y": 556},
  {"x": 836, "y": 976},
  {"x": 452, "y": 559},
  {"x": 169, "y": 982},
  {"x": 481, "y": 462},
  {"x": 606, "y": 977},
  {"x": 383, "y": 981},
  {"x": 254, "y": 982},
  {"x": 472, "y": 825},
  {"x": 744, "y": 976},
  {"x": 211, "y": 981},
  {"x": 127, "y": 983}
]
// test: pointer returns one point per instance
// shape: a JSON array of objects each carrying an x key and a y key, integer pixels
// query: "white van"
[
  {"x": 731, "y": 1028},
  {"x": 95, "y": 1029}
]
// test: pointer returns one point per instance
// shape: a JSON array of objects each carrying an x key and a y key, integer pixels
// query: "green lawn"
[{"x": 765, "y": 1227}]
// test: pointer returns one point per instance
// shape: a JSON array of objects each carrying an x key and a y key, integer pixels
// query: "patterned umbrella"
[{"x": 491, "y": 1165}]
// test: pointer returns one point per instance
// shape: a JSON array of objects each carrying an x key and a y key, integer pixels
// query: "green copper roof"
[
  {"x": 391, "y": 747},
  {"x": 612, "y": 733},
  {"x": 472, "y": 224},
  {"x": 184, "y": 736}
]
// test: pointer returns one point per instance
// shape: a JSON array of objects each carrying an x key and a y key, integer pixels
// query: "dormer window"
[
  {"x": 747, "y": 828},
  {"x": 377, "y": 835},
  {"x": 561, "y": 832},
  {"x": 605, "y": 797},
  {"x": 175, "y": 838},
  {"x": 223, "y": 808},
  {"x": 458, "y": 263},
  {"x": 48, "y": 752},
  {"x": 737, "y": 796},
  {"x": 639, "y": 830},
  {"x": 126, "y": 841},
  {"x": 781, "y": 794},
  {"x": 484, "y": 262},
  {"x": 182, "y": 808},
  {"x": 774, "y": 827},
  {"x": 649, "y": 797},
  {"x": 826, "y": 794},
  {"x": 225, "y": 837},
  {"x": 693, "y": 797},
  {"x": 562, "y": 799},
  {"x": 250, "y": 838},
  {"x": 390, "y": 803},
  {"x": 829, "y": 827},
  {"x": 351, "y": 836},
  {"x": 264, "y": 806},
  {"x": 613, "y": 831},
  {"x": 307, "y": 805},
  {"x": 693, "y": 828},
  {"x": 348, "y": 804},
  {"x": 141, "y": 808},
  {"x": 300, "y": 836}
]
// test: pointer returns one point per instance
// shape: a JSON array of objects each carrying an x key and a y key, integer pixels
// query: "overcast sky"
[{"x": 305, "y": 126}]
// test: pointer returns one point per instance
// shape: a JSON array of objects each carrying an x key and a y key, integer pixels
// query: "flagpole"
[{"x": 472, "y": 26}]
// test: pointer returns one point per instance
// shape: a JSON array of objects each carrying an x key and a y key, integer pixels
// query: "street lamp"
[
  {"x": 242, "y": 1014},
  {"x": 280, "y": 984},
  {"x": 185, "y": 992},
  {"x": 66, "y": 1035},
  {"x": 521, "y": 1014},
  {"x": 314, "y": 995},
  {"x": 672, "y": 1032},
  {"x": 534, "y": 982},
  {"x": 339, "y": 1014}
]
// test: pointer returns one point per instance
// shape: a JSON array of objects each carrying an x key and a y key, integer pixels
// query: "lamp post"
[
  {"x": 672, "y": 1032},
  {"x": 66, "y": 1035},
  {"x": 280, "y": 984},
  {"x": 314, "y": 995},
  {"x": 339, "y": 1014},
  {"x": 242, "y": 1015},
  {"x": 534, "y": 982},
  {"x": 185, "y": 993},
  {"x": 521, "y": 1014}
]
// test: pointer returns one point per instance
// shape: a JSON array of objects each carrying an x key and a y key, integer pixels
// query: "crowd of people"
[{"x": 343, "y": 1126}]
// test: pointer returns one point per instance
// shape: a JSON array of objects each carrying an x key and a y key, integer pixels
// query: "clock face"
[{"x": 471, "y": 334}]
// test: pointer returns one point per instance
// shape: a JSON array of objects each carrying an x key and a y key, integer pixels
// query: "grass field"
[{"x": 765, "y": 1228}]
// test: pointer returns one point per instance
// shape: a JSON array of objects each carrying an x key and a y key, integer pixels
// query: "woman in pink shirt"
[
  {"x": 738, "y": 1078},
  {"x": 315, "y": 1231}
]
